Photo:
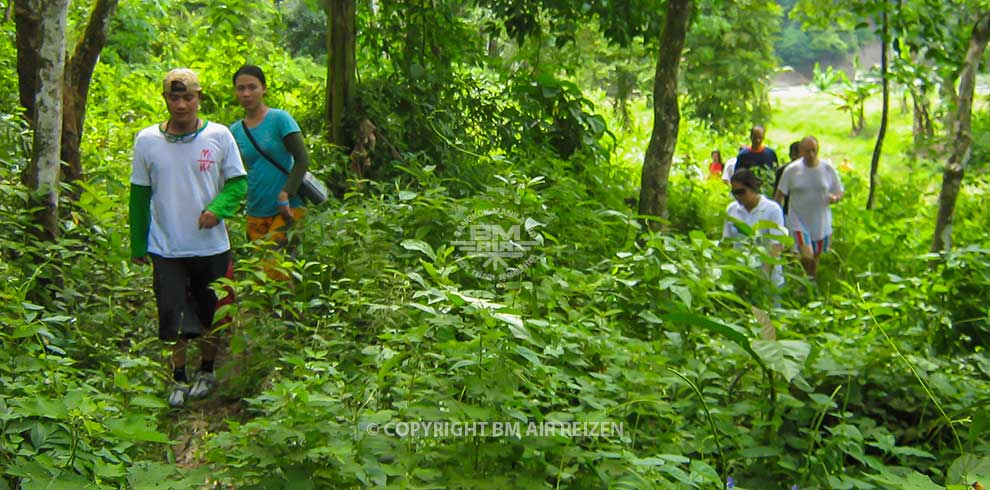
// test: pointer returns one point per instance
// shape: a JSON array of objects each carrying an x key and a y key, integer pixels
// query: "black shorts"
[{"x": 186, "y": 302}]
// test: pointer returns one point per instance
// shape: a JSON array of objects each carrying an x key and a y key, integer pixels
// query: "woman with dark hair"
[
  {"x": 750, "y": 208},
  {"x": 273, "y": 150},
  {"x": 715, "y": 167}
]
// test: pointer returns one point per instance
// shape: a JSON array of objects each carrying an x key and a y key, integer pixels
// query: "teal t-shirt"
[{"x": 264, "y": 180}]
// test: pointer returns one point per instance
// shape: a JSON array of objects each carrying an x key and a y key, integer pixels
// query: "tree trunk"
[
  {"x": 42, "y": 175},
  {"x": 885, "y": 83},
  {"x": 27, "y": 22},
  {"x": 78, "y": 74},
  {"x": 961, "y": 135},
  {"x": 666, "y": 114},
  {"x": 922, "y": 123},
  {"x": 340, "y": 66}
]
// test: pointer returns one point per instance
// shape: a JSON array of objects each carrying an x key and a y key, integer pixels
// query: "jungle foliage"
[{"x": 875, "y": 378}]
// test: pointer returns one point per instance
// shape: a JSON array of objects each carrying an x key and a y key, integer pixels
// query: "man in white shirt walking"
[
  {"x": 186, "y": 177},
  {"x": 813, "y": 186}
]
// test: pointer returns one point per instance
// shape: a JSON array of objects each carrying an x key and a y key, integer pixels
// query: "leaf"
[
  {"x": 42, "y": 407},
  {"x": 649, "y": 317},
  {"x": 39, "y": 434},
  {"x": 532, "y": 224},
  {"x": 426, "y": 308},
  {"x": 702, "y": 472},
  {"x": 683, "y": 293},
  {"x": 136, "y": 427},
  {"x": 421, "y": 246},
  {"x": 237, "y": 344},
  {"x": 727, "y": 331},
  {"x": 145, "y": 475},
  {"x": 62, "y": 481},
  {"x": 407, "y": 195},
  {"x": 529, "y": 355},
  {"x": 516, "y": 326},
  {"x": 512, "y": 320},
  {"x": 648, "y": 462},
  {"x": 674, "y": 458},
  {"x": 26, "y": 330},
  {"x": 108, "y": 470},
  {"x": 463, "y": 363},
  {"x": 786, "y": 357},
  {"x": 968, "y": 468},
  {"x": 54, "y": 349},
  {"x": 910, "y": 451},
  {"x": 147, "y": 401},
  {"x": 913, "y": 481},
  {"x": 57, "y": 319},
  {"x": 678, "y": 474}
]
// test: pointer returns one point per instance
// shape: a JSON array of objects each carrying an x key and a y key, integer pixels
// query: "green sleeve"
[
  {"x": 297, "y": 147},
  {"x": 140, "y": 219},
  {"x": 230, "y": 198}
]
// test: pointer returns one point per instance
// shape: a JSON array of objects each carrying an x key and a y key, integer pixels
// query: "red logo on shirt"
[{"x": 206, "y": 160}]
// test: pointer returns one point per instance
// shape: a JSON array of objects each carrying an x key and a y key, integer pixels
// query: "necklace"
[{"x": 182, "y": 138}]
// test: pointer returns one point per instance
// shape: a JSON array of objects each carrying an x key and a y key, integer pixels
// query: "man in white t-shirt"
[
  {"x": 186, "y": 177},
  {"x": 751, "y": 208},
  {"x": 813, "y": 186}
]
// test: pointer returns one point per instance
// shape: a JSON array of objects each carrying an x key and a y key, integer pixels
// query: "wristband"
[{"x": 282, "y": 203}]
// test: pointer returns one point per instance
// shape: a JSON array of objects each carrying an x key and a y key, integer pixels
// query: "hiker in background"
[
  {"x": 186, "y": 177},
  {"x": 758, "y": 157},
  {"x": 272, "y": 146},
  {"x": 715, "y": 167},
  {"x": 793, "y": 154},
  {"x": 750, "y": 207},
  {"x": 730, "y": 168},
  {"x": 813, "y": 186}
]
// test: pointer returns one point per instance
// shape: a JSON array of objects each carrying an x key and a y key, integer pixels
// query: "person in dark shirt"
[{"x": 757, "y": 157}]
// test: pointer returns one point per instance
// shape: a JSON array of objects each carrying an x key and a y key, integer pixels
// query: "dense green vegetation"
[{"x": 878, "y": 378}]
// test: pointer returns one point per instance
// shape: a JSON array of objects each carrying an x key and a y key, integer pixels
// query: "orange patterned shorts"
[{"x": 271, "y": 227}]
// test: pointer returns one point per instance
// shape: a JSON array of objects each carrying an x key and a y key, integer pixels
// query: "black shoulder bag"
[{"x": 311, "y": 189}]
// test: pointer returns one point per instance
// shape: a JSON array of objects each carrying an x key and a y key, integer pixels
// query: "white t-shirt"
[
  {"x": 808, "y": 188},
  {"x": 728, "y": 170},
  {"x": 765, "y": 210},
  {"x": 184, "y": 178}
]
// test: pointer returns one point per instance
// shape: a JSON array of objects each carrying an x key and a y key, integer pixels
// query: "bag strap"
[{"x": 258, "y": 148}]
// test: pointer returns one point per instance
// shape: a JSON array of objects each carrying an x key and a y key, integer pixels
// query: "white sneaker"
[
  {"x": 203, "y": 384},
  {"x": 177, "y": 398}
]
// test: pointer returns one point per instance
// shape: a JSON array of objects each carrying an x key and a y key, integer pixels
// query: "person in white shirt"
[
  {"x": 730, "y": 167},
  {"x": 813, "y": 186},
  {"x": 752, "y": 208},
  {"x": 728, "y": 170},
  {"x": 186, "y": 177}
]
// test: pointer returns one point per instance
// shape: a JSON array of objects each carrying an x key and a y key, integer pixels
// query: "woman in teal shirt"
[{"x": 273, "y": 150}]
